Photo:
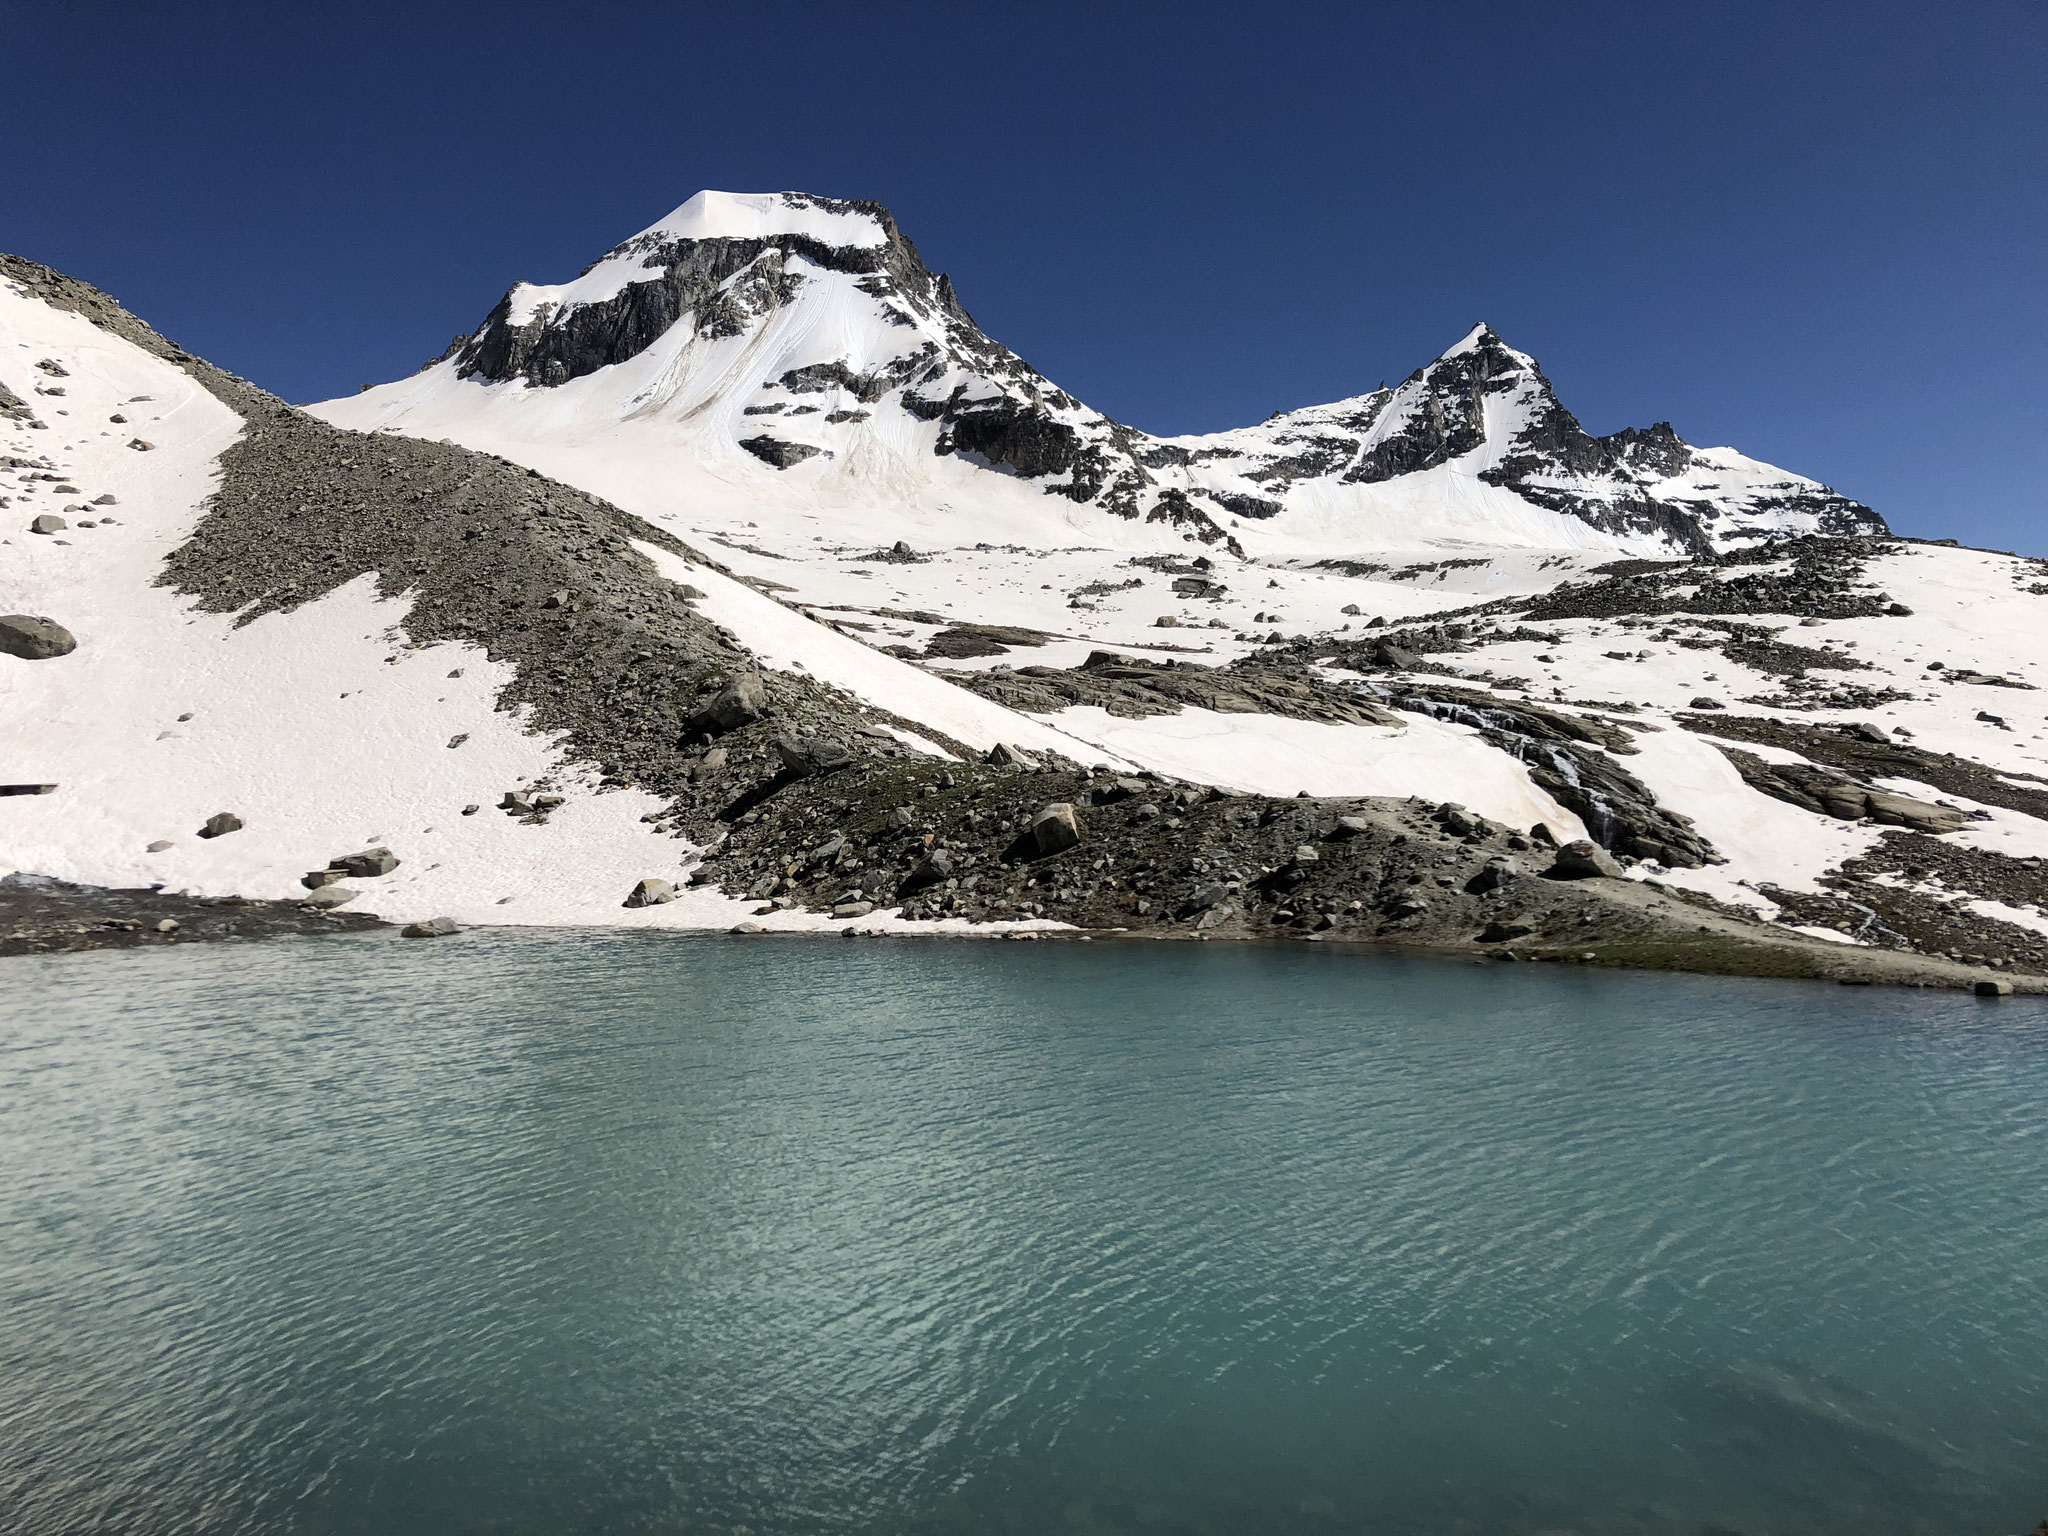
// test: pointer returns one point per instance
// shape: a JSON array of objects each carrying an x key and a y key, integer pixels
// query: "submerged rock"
[{"x": 430, "y": 928}]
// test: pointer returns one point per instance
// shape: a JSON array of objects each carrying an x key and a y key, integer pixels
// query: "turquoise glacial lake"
[{"x": 594, "y": 1232}]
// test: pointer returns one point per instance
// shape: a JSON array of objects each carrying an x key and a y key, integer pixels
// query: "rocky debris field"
[
  {"x": 40, "y": 916},
  {"x": 1162, "y": 859}
]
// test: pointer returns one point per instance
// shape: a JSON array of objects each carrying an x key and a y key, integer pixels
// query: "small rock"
[
  {"x": 48, "y": 522},
  {"x": 329, "y": 896},
  {"x": 368, "y": 863},
  {"x": 1876, "y": 735},
  {"x": 139, "y": 445},
  {"x": 746, "y": 928},
  {"x": 1003, "y": 755},
  {"x": 1501, "y": 933},
  {"x": 1703, "y": 702},
  {"x": 430, "y": 928},
  {"x": 1166, "y": 621},
  {"x": 651, "y": 892},
  {"x": 158, "y": 846},
  {"x": 853, "y": 909},
  {"x": 167, "y": 925},
  {"x": 1055, "y": 828},
  {"x": 313, "y": 879},
  {"x": 1351, "y": 610},
  {"x": 220, "y": 824},
  {"x": 33, "y": 638},
  {"x": 1202, "y": 898},
  {"x": 1351, "y": 826},
  {"x": 471, "y": 809},
  {"x": 1583, "y": 860}
]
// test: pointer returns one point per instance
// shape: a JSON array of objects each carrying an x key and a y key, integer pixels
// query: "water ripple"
[{"x": 600, "y": 1232}]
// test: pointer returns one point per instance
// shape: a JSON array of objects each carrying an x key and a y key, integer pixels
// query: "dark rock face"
[
  {"x": 33, "y": 638},
  {"x": 783, "y": 455},
  {"x": 1561, "y": 754},
  {"x": 1830, "y": 792}
]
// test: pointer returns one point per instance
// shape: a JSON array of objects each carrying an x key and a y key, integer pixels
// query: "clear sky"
[{"x": 1813, "y": 231}]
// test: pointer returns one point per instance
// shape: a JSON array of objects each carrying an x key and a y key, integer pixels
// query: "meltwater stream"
[{"x": 599, "y": 1233}]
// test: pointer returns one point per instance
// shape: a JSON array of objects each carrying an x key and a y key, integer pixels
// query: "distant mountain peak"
[{"x": 805, "y": 333}]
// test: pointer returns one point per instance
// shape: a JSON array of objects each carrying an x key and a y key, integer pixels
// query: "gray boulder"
[
  {"x": 220, "y": 824},
  {"x": 1491, "y": 877},
  {"x": 368, "y": 863},
  {"x": 329, "y": 896},
  {"x": 853, "y": 909},
  {"x": 430, "y": 928},
  {"x": 740, "y": 702},
  {"x": 313, "y": 879},
  {"x": 651, "y": 893},
  {"x": 1583, "y": 861},
  {"x": 34, "y": 639},
  {"x": 811, "y": 754},
  {"x": 48, "y": 522},
  {"x": 1203, "y": 897},
  {"x": 1055, "y": 829},
  {"x": 933, "y": 869}
]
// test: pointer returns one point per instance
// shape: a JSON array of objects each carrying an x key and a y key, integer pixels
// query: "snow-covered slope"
[{"x": 796, "y": 347}]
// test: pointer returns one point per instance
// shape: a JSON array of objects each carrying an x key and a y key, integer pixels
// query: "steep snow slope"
[{"x": 318, "y": 728}]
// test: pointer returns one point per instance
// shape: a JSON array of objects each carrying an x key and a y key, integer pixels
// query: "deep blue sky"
[{"x": 1813, "y": 231}]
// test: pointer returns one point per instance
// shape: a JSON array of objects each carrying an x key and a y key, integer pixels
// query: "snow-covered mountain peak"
[
  {"x": 760, "y": 215},
  {"x": 798, "y": 347}
]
